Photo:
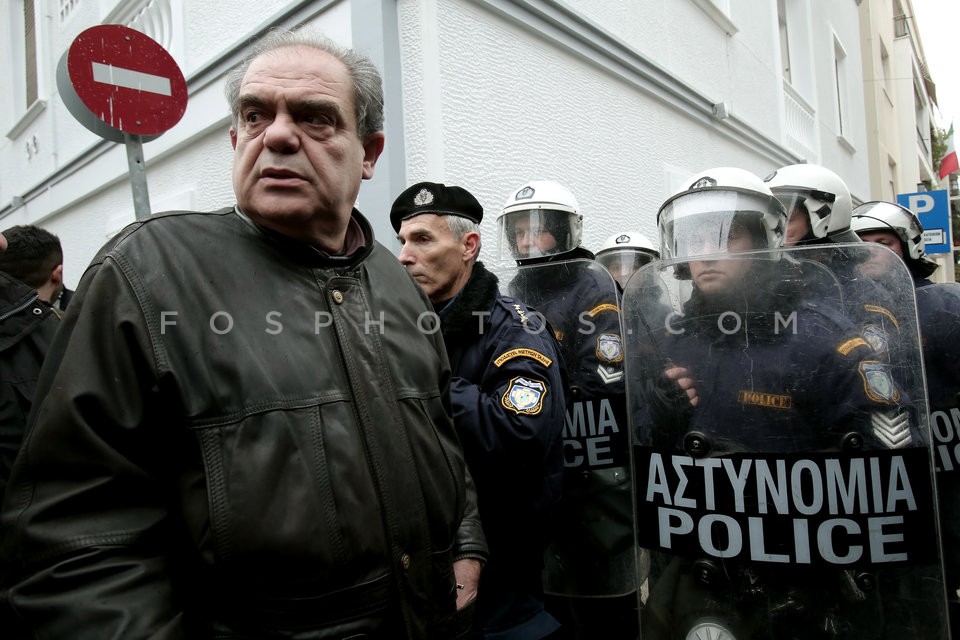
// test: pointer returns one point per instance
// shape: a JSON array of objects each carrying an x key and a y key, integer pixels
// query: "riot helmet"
[
  {"x": 720, "y": 211},
  {"x": 541, "y": 219},
  {"x": 820, "y": 200},
  {"x": 623, "y": 253},
  {"x": 903, "y": 223}
]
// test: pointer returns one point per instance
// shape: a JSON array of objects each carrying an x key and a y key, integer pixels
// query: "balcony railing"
[{"x": 799, "y": 118}]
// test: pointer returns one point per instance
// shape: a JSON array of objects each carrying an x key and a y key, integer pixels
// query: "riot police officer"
[
  {"x": 744, "y": 418},
  {"x": 938, "y": 308},
  {"x": 589, "y": 577},
  {"x": 819, "y": 208},
  {"x": 623, "y": 253}
]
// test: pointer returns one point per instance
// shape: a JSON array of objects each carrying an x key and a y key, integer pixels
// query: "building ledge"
[{"x": 26, "y": 119}]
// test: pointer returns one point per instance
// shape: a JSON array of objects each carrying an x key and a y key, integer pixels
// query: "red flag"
[{"x": 949, "y": 162}]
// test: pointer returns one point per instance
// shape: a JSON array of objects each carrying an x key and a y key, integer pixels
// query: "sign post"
[{"x": 124, "y": 87}]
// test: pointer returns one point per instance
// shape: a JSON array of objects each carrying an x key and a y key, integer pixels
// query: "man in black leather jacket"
[
  {"x": 240, "y": 430},
  {"x": 508, "y": 401}
]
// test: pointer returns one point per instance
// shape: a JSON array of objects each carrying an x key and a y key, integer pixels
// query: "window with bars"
[
  {"x": 31, "y": 90},
  {"x": 66, "y": 9}
]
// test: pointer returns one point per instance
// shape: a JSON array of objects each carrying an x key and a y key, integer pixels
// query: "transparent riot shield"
[
  {"x": 781, "y": 450},
  {"x": 938, "y": 306},
  {"x": 591, "y": 551}
]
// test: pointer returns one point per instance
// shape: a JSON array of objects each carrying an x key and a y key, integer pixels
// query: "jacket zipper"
[{"x": 20, "y": 308}]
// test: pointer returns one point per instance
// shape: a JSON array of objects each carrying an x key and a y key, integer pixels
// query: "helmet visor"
[
  {"x": 622, "y": 263},
  {"x": 810, "y": 204},
  {"x": 535, "y": 233},
  {"x": 714, "y": 223}
]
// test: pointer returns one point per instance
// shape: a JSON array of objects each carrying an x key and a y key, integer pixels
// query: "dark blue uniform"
[
  {"x": 870, "y": 306},
  {"x": 938, "y": 308},
  {"x": 811, "y": 380},
  {"x": 781, "y": 379},
  {"x": 591, "y": 556},
  {"x": 508, "y": 402}
]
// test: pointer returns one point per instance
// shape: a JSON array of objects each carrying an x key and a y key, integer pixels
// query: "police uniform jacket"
[
  {"x": 767, "y": 385},
  {"x": 239, "y": 436},
  {"x": 508, "y": 402},
  {"x": 938, "y": 308},
  {"x": 593, "y": 531},
  {"x": 27, "y": 325}
]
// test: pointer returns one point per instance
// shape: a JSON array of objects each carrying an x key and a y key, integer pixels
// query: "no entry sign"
[{"x": 116, "y": 80}]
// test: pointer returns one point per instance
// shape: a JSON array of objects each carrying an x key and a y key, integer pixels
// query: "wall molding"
[{"x": 555, "y": 22}]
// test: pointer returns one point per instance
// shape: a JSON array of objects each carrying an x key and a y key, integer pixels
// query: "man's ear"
[
  {"x": 233, "y": 138},
  {"x": 56, "y": 276},
  {"x": 471, "y": 245},
  {"x": 372, "y": 148}
]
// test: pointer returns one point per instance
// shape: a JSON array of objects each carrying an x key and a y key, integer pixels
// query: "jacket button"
[
  {"x": 405, "y": 561},
  {"x": 337, "y": 296}
]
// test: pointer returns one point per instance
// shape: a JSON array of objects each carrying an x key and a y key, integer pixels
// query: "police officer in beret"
[{"x": 508, "y": 401}]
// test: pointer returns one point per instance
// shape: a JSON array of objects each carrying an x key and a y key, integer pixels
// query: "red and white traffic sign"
[{"x": 116, "y": 80}]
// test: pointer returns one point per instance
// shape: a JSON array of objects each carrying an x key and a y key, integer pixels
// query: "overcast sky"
[{"x": 939, "y": 24}]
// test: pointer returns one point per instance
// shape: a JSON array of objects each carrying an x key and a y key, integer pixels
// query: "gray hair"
[
  {"x": 367, "y": 83},
  {"x": 460, "y": 226}
]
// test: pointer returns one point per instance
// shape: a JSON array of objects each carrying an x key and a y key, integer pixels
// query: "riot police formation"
[
  {"x": 623, "y": 253},
  {"x": 507, "y": 398},
  {"x": 781, "y": 471},
  {"x": 590, "y": 576},
  {"x": 938, "y": 308}
]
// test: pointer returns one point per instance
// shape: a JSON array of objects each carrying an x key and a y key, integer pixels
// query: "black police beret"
[{"x": 436, "y": 198}]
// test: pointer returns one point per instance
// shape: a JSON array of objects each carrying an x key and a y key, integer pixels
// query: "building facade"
[{"x": 620, "y": 101}]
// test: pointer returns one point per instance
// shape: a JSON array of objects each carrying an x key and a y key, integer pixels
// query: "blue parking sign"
[{"x": 933, "y": 209}]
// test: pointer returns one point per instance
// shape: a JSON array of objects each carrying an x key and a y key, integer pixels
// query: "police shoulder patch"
[
  {"x": 524, "y": 395},
  {"x": 848, "y": 346},
  {"x": 606, "y": 306},
  {"x": 878, "y": 383},
  {"x": 609, "y": 348},
  {"x": 873, "y": 308},
  {"x": 522, "y": 352}
]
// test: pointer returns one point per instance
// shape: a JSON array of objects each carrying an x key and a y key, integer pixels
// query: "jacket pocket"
[{"x": 288, "y": 495}]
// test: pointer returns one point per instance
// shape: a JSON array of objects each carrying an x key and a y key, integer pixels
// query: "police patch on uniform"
[
  {"x": 872, "y": 308},
  {"x": 603, "y": 307},
  {"x": 876, "y": 337},
  {"x": 848, "y": 346},
  {"x": 524, "y": 395},
  {"x": 878, "y": 383},
  {"x": 609, "y": 348},
  {"x": 522, "y": 352}
]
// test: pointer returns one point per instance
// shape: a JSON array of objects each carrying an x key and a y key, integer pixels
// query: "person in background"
[
  {"x": 27, "y": 325},
  {"x": 508, "y": 400},
  {"x": 819, "y": 208},
  {"x": 623, "y": 253},
  {"x": 35, "y": 257},
  {"x": 590, "y": 565},
  {"x": 938, "y": 312},
  {"x": 240, "y": 430}
]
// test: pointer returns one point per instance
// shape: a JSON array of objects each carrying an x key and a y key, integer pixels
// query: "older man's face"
[
  {"x": 299, "y": 158},
  {"x": 439, "y": 263},
  {"x": 3, "y": 243}
]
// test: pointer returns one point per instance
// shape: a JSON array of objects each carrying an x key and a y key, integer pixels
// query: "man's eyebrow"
[
  {"x": 251, "y": 101},
  {"x": 315, "y": 105}
]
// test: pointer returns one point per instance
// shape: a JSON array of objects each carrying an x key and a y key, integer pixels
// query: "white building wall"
[{"x": 615, "y": 99}]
